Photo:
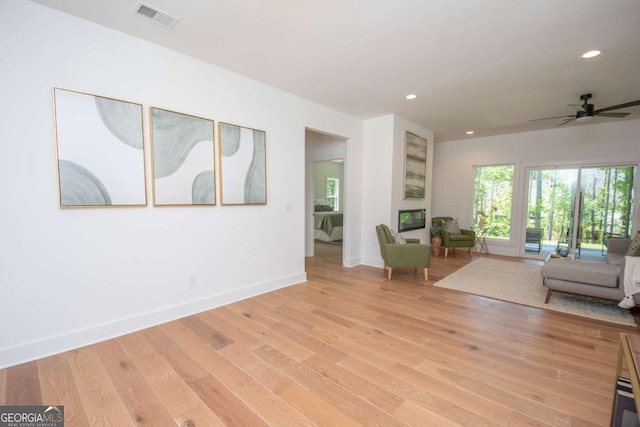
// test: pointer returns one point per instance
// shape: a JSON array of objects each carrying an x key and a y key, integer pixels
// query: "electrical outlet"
[{"x": 193, "y": 280}]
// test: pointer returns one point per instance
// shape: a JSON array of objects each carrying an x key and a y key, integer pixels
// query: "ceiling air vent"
[{"x": 155, "y": 14}]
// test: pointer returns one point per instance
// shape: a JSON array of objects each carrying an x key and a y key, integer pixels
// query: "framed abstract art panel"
[
  {"x": 415, "y": 167},
  {"x": 100, "y": 150},
  {"x": 243, "y": 165},
  {"x": 183, "y": 159}
]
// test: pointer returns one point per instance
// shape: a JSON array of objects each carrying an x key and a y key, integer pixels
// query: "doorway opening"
[
  {"x": 573, "y": 212},
  {"x": 326, "y": 196}
]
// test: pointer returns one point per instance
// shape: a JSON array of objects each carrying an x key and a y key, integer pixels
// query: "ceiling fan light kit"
[{"x": 586, "y": 111}]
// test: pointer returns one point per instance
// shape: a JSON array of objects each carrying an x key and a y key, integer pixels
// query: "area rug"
[{"x": 522, "y": 284}]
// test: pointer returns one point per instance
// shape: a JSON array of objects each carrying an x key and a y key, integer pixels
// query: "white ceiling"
[{"x": 490, "y": 66}]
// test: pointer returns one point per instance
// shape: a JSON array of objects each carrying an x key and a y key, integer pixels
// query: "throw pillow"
[
  {"x": 635, "y": 244},
  {"x": 326, "y": 208},
  {"x": 452, "y": 227},
  {"x": 397, "y": 238}
]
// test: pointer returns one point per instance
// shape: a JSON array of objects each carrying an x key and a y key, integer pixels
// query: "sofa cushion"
[
  {"x": 397, "y": 237},
  {"x": 613, "y": 258},
  {"x": 452, "y": 227},
  {"x": 635, "y": 243},
  {"x": 618, "y": 245},
  {"x": 459, "y": 237},
  {"x": 587, "y": 272}
]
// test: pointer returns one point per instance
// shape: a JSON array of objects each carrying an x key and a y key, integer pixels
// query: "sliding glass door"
[
  {"x": 608, "y": 203},
  {"x": 550, "y": 209},
  {"x": 572, "y": 211}
]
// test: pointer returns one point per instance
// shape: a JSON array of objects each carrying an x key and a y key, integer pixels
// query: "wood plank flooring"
[{"x": 347, "y": 348}]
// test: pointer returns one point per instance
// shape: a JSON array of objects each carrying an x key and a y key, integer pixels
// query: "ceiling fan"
[{"x": 586, "y": 111}]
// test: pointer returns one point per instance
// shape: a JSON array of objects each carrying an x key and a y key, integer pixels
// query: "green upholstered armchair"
[
  {"x": 412, "y": 254},
  {"x": 465, "y": 240}
]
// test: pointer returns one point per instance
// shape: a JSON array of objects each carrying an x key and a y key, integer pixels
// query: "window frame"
[
  {"x": 488, "y": 218},
  {"x": 336, "y": 197}
]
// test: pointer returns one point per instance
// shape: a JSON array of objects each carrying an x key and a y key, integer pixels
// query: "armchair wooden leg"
[
  {"x": 546, "y": 301},
  {"x": 471, "y": 251},
  {"x": 426, "y": 274},
  {"x": 389, "y": 273},
  {"x": 446, "y": 252}
]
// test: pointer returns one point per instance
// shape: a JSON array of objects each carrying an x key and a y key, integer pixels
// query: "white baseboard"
[
  {"x": 49, "y": 346},
  {"x": 351, "y": 262},
  {"x": 506, "y": 251},
  {"x": 373, "y": 262}
]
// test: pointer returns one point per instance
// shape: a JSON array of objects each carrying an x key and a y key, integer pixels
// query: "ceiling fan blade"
[
  {"x": 577, "y": 107},
  {"x": 617, "y": 115},
  {"x": 618, "y": 107},
  {"x": 566, "y": 121},
  {"x": 549, "y": 118}
]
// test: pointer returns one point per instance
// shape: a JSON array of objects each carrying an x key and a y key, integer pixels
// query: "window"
[
  {"x": 602, "y": 196},
  {"x": 492, "y": 199},
  {"x": 333, "y": 193}
]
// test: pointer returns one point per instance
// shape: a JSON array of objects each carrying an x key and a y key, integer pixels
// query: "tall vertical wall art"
[
  {"x": 243, "y": 165},
  {"x": 183, "y": 159},
  {"x": 100, "y": 150},
  {"x": 415, "y": 166}
]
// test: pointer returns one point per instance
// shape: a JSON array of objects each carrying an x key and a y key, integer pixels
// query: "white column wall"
[
  {"x": 384, "y": 139},
  {"x": 401, "y": 126},
  {"x": 377, "y": 184}
]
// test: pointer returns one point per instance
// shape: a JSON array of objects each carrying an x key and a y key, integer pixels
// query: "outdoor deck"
[{"x": 588, "y": 252}]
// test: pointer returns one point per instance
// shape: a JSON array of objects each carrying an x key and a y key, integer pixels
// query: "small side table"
[
  {"x": 481, "y": 241},
  {"x": 626, "y": 397}
]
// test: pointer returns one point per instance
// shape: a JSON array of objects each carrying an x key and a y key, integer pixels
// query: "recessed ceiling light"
[
  {"x": 591, "y": 54},
  {"x": 469, "y": 132},
  {"x": 411, "y": 96}
]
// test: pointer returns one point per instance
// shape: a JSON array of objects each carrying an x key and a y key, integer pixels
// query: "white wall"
[
  {"x": 75, "y": 276},
  {"x": 594, "y": 144},
  {"x": 384, "y": 139},
  {"x": 376, "y": 185}
]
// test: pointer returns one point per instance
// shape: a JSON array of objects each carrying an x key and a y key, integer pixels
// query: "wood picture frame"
[
  {"x": 415, "y": 167},
  {"x": 182, "y": 158},
  {"x": 242, "y": 165},
  {"x": 99, "y": 149}
]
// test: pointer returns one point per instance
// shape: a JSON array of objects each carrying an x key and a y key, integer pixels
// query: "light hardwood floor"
[{"x": 346, "y": 348}]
